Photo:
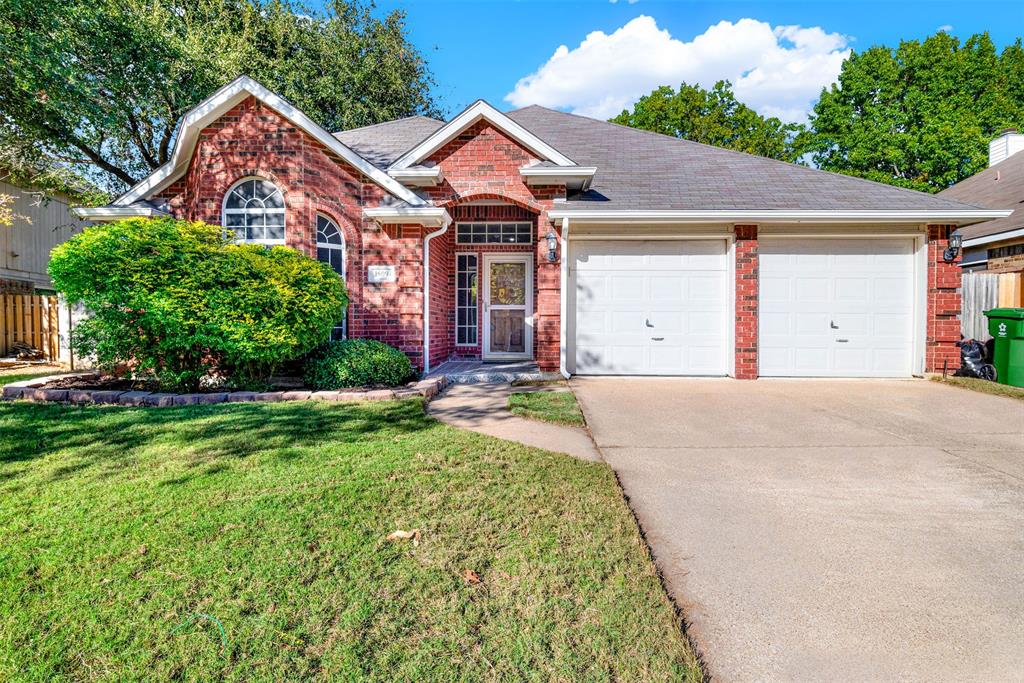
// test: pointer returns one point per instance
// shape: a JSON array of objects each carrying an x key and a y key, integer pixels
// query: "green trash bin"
[{"x": 1006, "y": 325}]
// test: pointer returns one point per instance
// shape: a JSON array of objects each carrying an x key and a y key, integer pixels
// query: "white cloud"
[
  {"x": 945, "y": 28},
  {"x": 632, "y": 2},
  {"x": 779, "y": 71}
]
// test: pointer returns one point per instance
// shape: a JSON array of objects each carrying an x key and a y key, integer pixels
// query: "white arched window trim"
[
  {"x": 263, "y": 224},
  {"x": 330, "y": 249}
]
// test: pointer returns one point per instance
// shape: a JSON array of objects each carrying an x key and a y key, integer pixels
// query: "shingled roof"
[
  {"x": 641, "y": 170},
  {"x": 997, "y": 187}
]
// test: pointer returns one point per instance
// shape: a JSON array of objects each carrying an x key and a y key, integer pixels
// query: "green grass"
[
  {"x": 984, "y": 386},
  {"x": 120, "y": 527},
  {"x": 559, "y": 407}
]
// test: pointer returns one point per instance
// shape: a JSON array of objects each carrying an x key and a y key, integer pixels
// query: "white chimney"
[{"x": 1006, "y": 145}]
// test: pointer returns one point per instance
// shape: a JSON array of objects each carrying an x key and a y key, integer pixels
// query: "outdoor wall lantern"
[
  {"x": 955, "y": 240},
  {"x": 552, "y": 239}
]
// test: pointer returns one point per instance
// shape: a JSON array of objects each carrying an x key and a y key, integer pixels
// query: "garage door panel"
[
  {"x": 846, "y": 310},
  {"x": 662, "y": 308}
]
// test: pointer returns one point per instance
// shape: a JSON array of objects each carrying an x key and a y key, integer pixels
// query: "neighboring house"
[
  {"x": 588, "y": 247},
  {"x": 997, "y": 245},
  {"x": 42, "y": 222},
  {"x": 29, "y": 312},
  {"x": 993, "y": 260}
]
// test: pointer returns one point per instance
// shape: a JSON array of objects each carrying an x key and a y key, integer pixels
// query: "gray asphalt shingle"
[{"x": 640, "y": 170}]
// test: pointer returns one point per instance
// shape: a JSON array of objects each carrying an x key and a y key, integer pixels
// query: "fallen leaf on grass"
[
  {"x": 471, "y": 577},
  {"x": 143, "y": 550},
  {"x": 401, "y": 535}
]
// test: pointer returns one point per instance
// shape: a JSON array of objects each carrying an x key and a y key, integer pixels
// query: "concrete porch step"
[{"x": 479, "y": 372}]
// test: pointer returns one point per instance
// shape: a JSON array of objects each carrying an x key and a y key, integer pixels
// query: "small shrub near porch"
[
  {"x": 356, "y": 363},
  {"x": 176, "y": 302}
]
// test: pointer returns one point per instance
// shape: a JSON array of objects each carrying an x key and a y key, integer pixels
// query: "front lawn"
[
  {"x": 984, "y": 386},
  {"x": 248, "y": 542},
  {"x": 18, "y": 375},
  {"x": 559, "y": 407}
]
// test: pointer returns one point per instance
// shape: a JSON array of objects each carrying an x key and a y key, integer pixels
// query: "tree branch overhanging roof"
[{"x": 224, "y": 100}]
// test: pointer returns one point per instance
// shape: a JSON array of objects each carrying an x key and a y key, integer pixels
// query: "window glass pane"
[
  {"x": 259, "y": 207},
  {"x": 494, "y": 233},
  {"x": 508, "y": 284},
  {"x": 275, "y": 232},
  {"x": 466, "y": 299}
]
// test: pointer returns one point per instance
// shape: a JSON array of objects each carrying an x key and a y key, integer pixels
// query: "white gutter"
[
  {"x": 546, "y": 175},
  {"x": 780, "y": 216},
  {"x": 998, "y": 237},
  {"x": 420, "y": 215},
  {"x": 426, "y": 292},
  {"x": 113, "y": 213},
  {"x": 418, "y": 176}
]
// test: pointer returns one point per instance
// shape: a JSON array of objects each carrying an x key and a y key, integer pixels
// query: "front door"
[{"x": 508, "y": 306}]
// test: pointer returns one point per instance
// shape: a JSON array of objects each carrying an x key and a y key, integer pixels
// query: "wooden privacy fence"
[
  {"x": 983, "y": 291},
  {"x": 32, "y": 320}
]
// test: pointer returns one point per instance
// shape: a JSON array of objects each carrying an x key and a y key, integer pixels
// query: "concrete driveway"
[{"x": 829, "y": 530}]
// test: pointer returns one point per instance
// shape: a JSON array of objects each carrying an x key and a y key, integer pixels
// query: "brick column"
[
  {"x": 943, "y": 322},
  {"x": 549, "y": 302},
  {"x": 746, "y": 302}
]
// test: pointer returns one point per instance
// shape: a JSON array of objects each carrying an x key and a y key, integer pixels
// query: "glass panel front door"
[{"x": 508, "y": 298}]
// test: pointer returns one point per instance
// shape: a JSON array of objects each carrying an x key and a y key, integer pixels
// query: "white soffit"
[
  {"x": 429, "y": 216},
  {"x": 222, "y": 101},
  {"x": 475, "y": 112},
  {"x": 964, "y": 217}
]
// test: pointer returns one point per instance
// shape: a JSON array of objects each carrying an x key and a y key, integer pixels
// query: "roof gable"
[
  {"x": 481, "y": 111},
  {"x": 222, "y": 101}
]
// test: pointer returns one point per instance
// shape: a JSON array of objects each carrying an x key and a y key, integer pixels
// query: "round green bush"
[
  {"x": 177, "y": 301},
  {"x": 356, "y": 363}
]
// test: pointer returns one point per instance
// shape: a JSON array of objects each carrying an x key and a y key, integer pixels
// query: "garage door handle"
[
  {"x": 832, "y": 324},
  {"x": 842, "y": 340},
  {"x": 658, "y": 338}
]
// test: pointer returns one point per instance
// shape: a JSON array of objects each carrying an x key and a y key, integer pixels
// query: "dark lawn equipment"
[{"x": 975, "y": 359}]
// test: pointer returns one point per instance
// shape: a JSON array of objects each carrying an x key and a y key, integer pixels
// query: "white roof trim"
[
  {"x": 418, "y": 176},
  {"x": 475, "y": 112},
  {"x": 779, "y": 216},
  {"x": 423, "y": 215},
  {"x": 113, "y": 213},
  {"x": 223, "y": 100},
  {"x": 576, "y": 175},
  {"x": 997, "y": 237}
]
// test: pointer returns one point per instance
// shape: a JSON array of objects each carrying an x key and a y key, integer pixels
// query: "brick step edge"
[{"x": 31, "y": 390}]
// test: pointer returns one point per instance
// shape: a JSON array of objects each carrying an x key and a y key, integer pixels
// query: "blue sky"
[{"x": 484, "y": 48}]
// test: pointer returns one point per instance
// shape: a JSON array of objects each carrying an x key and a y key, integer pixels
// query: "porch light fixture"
[
  {"x": 953, "y": 248},
  {"x": 552, "y": 239}
]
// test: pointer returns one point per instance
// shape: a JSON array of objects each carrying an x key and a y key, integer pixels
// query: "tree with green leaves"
[
  {"x": 920, "y": 115},
  {"x": 99, "y": 86},
  {"x": 714, "y": 117}
]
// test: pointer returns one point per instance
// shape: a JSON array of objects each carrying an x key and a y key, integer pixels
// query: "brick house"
[{"x": 584, "y": 246}]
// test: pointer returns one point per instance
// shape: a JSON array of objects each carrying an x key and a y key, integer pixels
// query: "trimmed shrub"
[
  {"x": 356, "y": 363},
  {"x": 177, "y": 301}
]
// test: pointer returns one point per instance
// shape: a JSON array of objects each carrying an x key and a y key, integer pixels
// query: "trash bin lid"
[{"x": 1009, "y": 313}]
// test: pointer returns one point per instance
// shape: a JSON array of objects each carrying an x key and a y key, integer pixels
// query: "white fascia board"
[
  {"x": 545, "y": 175},
  {"x": 419, "y": 215},
  {"x": 476, "y": 111},
  {"x": 418, "y": 176},
  {"x": 997, "y": 237},
  {"x": 113, "y": 213},
  {"x": 781, "y": 216},
  {"x": 222, "y": 101}
]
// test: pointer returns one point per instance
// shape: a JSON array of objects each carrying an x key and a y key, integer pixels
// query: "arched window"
[
  {"x": 254, "y": 211},
  {"x": 330, "y": 248},
  {"x": 330, "y": 244}
]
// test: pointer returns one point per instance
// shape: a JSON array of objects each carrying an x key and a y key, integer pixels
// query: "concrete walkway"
[
  {"x": 483, "y": 408},
  {"x": 828, "y": 530}
]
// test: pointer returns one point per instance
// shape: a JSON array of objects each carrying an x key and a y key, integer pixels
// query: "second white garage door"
[
  {"x": 836, "y": 307},
  {"x": 651, "y": 307}
]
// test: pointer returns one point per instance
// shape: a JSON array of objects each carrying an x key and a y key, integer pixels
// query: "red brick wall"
[
  {"x": 253, "y": 140},
  {"x": 943, "y": 323},
  {"x": 482, "y": 163},
  {"x": 746, "y": 301}
]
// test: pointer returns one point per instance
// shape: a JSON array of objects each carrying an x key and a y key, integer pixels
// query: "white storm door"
[
  {"x": 655, "y": 307},
  {"x": 836, "y": 307},
  {"x": 508, "y": 306}
]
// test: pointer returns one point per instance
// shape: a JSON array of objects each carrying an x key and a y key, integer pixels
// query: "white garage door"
[
  {"x": 836, "y": 307},
  {"x": 651, "y": 308}
]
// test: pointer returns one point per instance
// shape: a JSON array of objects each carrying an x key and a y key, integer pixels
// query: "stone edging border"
[{"x": 30, "y": 389}]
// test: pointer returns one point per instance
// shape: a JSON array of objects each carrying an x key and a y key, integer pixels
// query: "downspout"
[
  {"x": 563, "y": 298},
  {"x": 426, "y": 293}
]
